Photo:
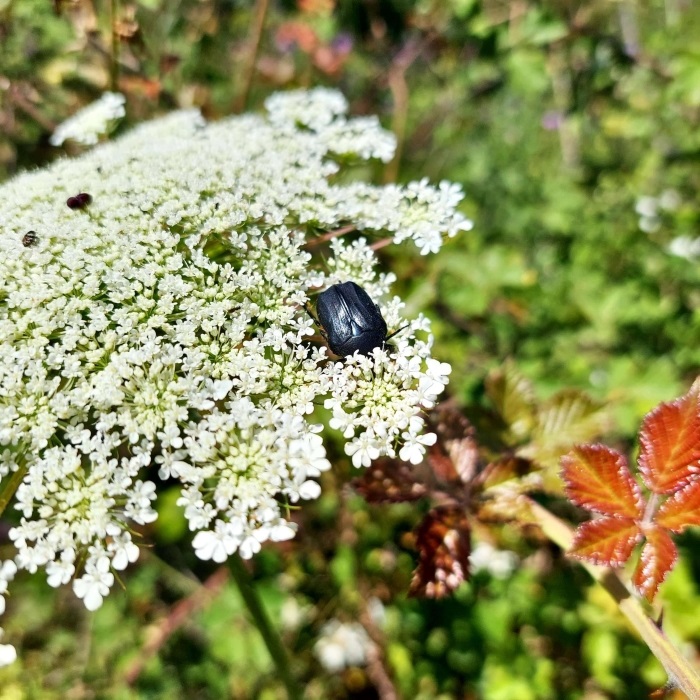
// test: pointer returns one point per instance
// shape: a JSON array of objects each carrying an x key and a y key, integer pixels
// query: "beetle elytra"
[{"x": 350, "y": 321}]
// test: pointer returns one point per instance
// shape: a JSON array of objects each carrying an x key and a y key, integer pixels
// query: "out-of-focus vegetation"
[{"x": 574, "y": 130}]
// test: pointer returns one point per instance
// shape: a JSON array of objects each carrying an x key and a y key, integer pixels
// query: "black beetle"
[{"x": 350, "y": 321}]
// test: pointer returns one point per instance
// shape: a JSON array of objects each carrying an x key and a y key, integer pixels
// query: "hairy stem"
[
  {"x": 678, "y": 668},
  {"x": 262, "y": 622}
]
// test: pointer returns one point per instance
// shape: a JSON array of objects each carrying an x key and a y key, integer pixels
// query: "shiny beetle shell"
[{"x": 350, "y": 320}]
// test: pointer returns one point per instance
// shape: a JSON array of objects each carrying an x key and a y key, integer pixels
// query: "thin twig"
[
  {"x": 376, "y": 663},
  {"x": 562, "y": 91},
  {"x": 180, "y": 583},
  {"x": 399, "y": 91},
  {"x": 241, "y": 101},
  {"x": 114, "y": 58},
  {"x": 383, "y": 243},
  {"x": 177, "y": 616},
  {"x": 126, "y": 64},
  {"x": 330, "y": 235},
  {"x": 17, "y": 97}
]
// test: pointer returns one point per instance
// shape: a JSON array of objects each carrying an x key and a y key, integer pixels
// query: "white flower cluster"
[
  {"x": 91, "y": 122},
  {"x": 500, "y": 563},
  {"x": 417, "y": 211},
  {"x": 343, "y": 645},
  {"x": 157, "y": 329},
  {"x": 8, "y": 569},
  {"x": 322, "y": 112},
  {"x": 685, "y": 247},
  {"x": 650, "y": 209}
]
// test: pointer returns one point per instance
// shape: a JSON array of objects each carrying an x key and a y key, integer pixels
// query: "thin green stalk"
[
  {"x": 262, "y": 622},
  {"x": 680, "y": 672},
  {"x": 114, "y": 58},
  {"x": 260, "y": 12},
  {"x": 7, "y": 490}
]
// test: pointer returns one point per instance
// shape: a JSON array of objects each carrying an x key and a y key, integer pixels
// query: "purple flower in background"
[
  {"x": 552, "y": 120},
  {"x": 342, "y": 43}
]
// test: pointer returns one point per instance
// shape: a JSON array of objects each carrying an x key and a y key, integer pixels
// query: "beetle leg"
[
  {"x": 391, "y": 335},
  {"x": 308, "y": 310}
]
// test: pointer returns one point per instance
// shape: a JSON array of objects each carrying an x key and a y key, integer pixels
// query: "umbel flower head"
[
  {"x": 91, "y": 122},
  {"x": 159, "y": 331}
]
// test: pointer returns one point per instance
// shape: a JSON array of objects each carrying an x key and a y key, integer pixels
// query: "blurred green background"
[{"x": 573, "y": 128}]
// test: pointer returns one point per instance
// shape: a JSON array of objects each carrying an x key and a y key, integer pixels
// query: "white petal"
[{"x": 310, "y": 490}]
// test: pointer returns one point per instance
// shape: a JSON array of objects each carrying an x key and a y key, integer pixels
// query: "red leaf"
[
  {"x": 450, "y": 423},
  {"x": 465, "y": 457},
  {"x": 607, "y": 541},
  {"x": 598, "y": 478},
  {"x": 141, "y": 87},
  {"x": 444, "y": 544},
  {"x": 670, "y": 443},
  {"x": 442, "y": 465},
  {"x": 389, "y": 481},
  {"x": 455, "y": 457},
  {"x": 659, "y": 556},
  {"x": 681, "y": 509},
  {"x": 458, "y": 464}
]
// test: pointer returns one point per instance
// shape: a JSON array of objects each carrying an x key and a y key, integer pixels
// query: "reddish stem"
[{"x": 329, "y": 235}]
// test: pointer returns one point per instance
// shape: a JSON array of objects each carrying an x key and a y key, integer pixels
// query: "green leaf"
[
  {"x": 171, "y": 525},
  {"x": 513, "y": 398},
  {"x": 570, "y": 417}
]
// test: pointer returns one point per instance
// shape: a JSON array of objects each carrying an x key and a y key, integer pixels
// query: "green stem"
[
  {"x": 114, "y": 58},
  {"x": 7, "y": 490},
  {"x": 678, "y": 668},
  {"x": 262, "y": 622},
  {"x": 261, "y": 7}
]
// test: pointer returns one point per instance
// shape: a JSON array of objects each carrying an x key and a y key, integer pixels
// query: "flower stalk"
[
  {"x": 261, "y": 619},
  {"x": 9, "y": 487}
]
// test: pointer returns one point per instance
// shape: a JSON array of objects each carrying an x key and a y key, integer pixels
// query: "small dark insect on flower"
[
  {"x": 350, "y": 321},
  {"x": 29, "y": 239},
  {"x": 80, "y": 201}
]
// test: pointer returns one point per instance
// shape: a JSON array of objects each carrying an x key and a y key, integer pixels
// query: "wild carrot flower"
[
  {"x": 342, "y": 645},
  {"x": 159, "y": 331},
  {"x": 91, "y": 122}
]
